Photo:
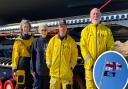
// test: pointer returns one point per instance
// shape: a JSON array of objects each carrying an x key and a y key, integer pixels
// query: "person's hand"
[
  {"x": 89, "y": 62},
  {"x": 49, "y": 64},
  {"x": 14, "y": 76},
  {"x": 33, "y": 74}
]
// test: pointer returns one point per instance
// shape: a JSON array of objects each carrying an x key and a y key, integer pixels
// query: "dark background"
[{"x": 12, "y": 11}]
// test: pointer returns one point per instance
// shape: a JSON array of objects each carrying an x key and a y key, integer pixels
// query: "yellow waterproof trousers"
[
  {"x": 58, "y": 83},
  {"x": 89, "y": 79}
]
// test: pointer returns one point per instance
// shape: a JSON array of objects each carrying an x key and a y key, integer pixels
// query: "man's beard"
[{"x": 95, "y": 21}]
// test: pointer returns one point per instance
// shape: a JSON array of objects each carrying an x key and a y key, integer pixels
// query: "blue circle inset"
[{"x": 110, "y": 71}]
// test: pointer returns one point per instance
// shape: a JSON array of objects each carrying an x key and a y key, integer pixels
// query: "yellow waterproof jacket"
[
  {"x": 21, "y": 48},
  {"x": 61, "y": 57},
  {"x": 95, "y": 39}
]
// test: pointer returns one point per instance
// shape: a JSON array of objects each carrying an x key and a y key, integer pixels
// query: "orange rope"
[{"x": 105, "y": 4}]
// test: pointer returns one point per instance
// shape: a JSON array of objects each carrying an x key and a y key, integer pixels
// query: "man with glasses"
[{"x": 39, "y": 68}]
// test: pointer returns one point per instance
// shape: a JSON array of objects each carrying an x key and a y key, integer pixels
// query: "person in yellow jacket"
[
  {"x": 95, "y": 39},
  {"x": 22, "y": 52},
  {"x": 61, "y": 58}
]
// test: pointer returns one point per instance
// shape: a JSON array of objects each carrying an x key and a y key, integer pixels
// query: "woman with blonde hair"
[{"x": 21, "y": 54}]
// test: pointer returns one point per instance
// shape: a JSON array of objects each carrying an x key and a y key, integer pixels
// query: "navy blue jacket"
[{"x": 38, "y": 62}]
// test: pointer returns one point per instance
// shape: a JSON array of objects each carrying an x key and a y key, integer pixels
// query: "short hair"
[
  {"x": 94, "y": 9},
  {"x": 62, "y": 21},
  {"x": 42, "y": 26},
  {"x": 24, "y": 21}
]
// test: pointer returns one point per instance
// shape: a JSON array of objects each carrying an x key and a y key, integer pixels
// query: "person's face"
[
  {"x": 25, "y": 28},
  {"x": 95, "y": 16},
  {"x": 43, "y": 32},
  {"x": 62, "y": 29}
]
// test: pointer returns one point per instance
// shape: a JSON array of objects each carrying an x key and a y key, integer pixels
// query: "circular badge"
[{"x": 111, "y": 71}]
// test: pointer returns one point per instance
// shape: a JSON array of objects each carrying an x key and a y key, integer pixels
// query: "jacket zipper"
[
  {"x": 60, "y": 58},
  {"x": 96, "y": 41}
]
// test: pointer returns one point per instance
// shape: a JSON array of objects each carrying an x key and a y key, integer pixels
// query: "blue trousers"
[{"x": 41, "y": 82}]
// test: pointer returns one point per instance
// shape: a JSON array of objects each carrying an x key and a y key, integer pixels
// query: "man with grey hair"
[
  {"x": 39, "y": 68},
  {"x": 95, "y": 39}
]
